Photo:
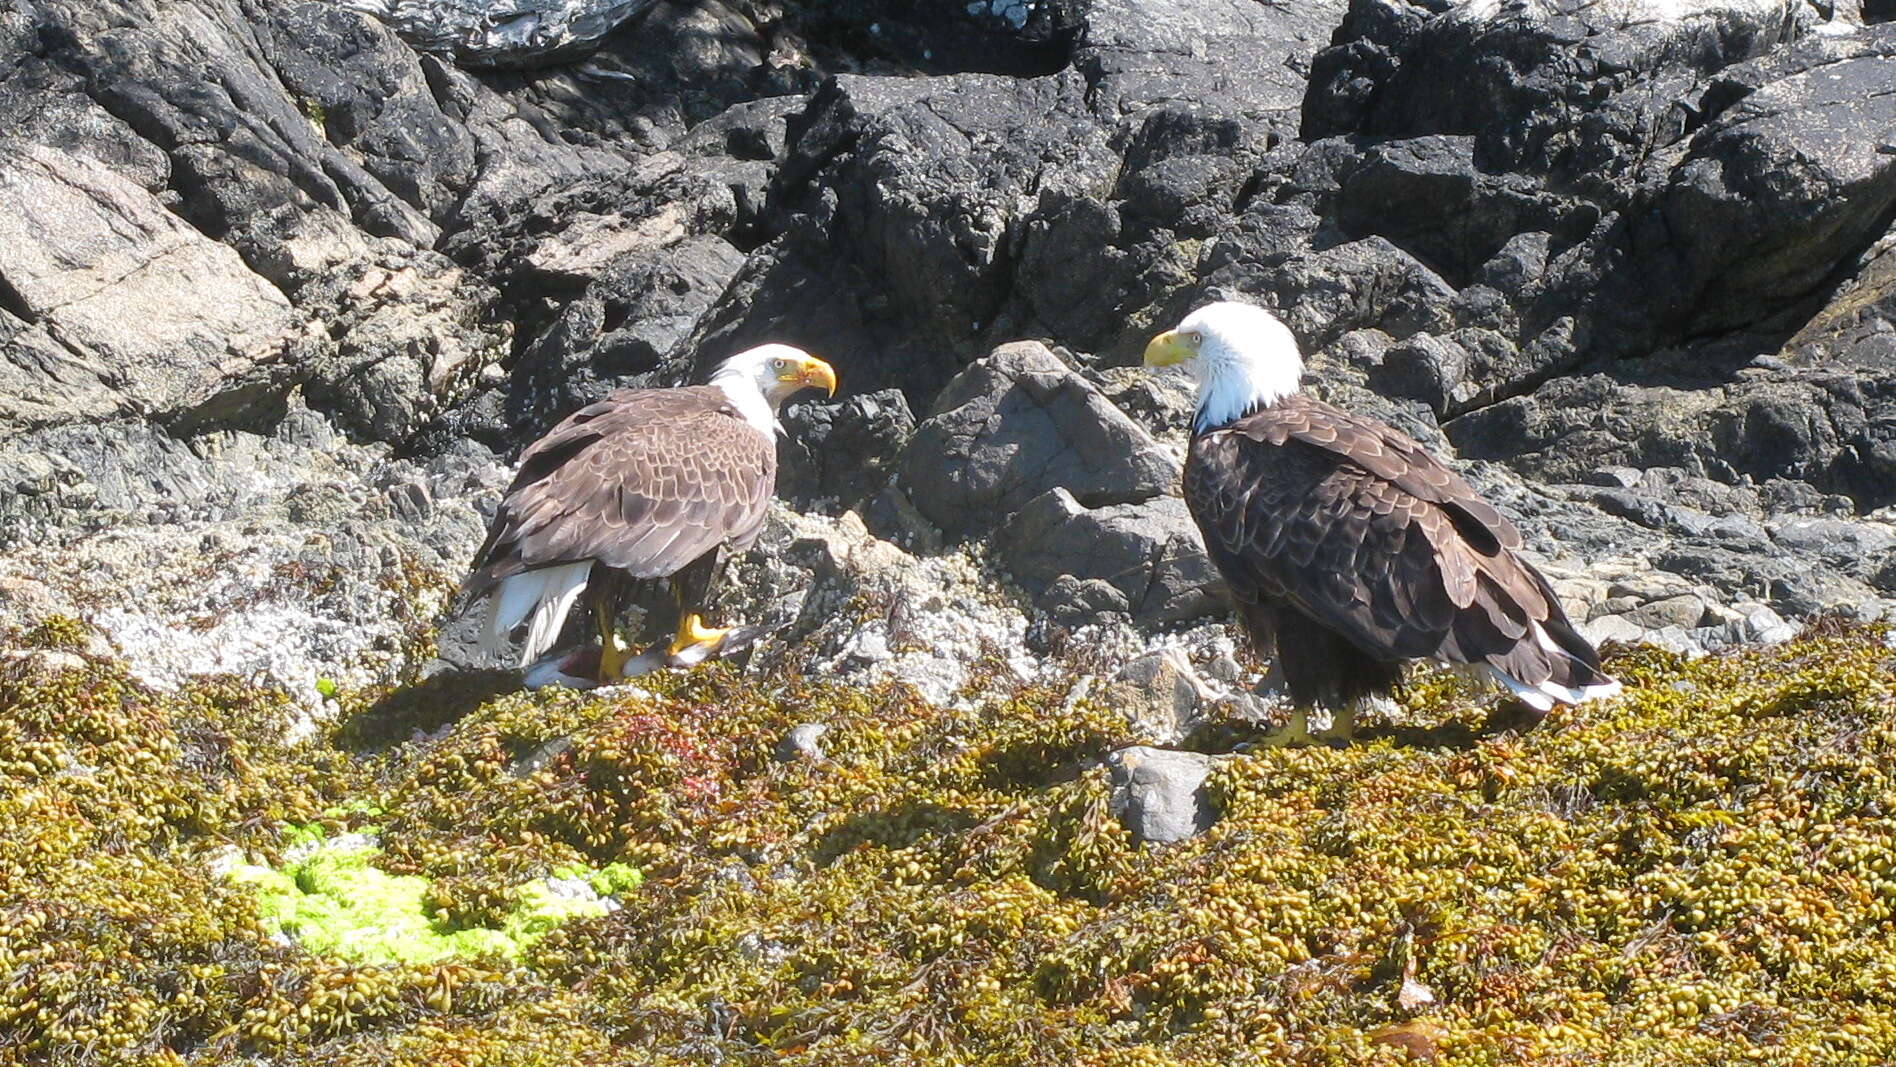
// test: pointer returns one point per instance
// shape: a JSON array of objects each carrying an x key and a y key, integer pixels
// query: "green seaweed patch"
[{"x": 335, "y": 901}]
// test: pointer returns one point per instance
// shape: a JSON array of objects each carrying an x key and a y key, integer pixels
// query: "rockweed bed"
[{"x": 1701, "y": 872}]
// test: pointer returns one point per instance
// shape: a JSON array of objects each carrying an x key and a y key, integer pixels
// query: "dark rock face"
[
  {"x": 1788, "y": 182},
  {"x": 1143, "y": 560},
  {"x": 844, "y": 453},
  {"x": 1021, "y": 423},
  {"x": 1631, "y": 264}
]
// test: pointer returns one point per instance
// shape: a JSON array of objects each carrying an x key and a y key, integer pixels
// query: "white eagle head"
[
  {"x": 758, "y": 380},
  {"x": 1240, "y": 355}
]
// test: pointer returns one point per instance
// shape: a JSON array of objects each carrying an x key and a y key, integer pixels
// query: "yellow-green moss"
[{"x": 1699, "y": 872}]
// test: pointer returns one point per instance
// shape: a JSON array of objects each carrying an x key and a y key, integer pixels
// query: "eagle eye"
[
  {"x": 1196, "y": 337},
  {"x": 776, "y": 364}
]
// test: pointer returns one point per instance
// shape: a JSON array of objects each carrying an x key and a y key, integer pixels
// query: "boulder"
[
  {"x": 121, "y": 305},
  {"x": 1860, "y": 548},
  {"x": 365, "y": 93},
  {"x": 1784, "y": 184},
  {"x": 1764, "y": 626},
  {"x": 1148, "y": 555},
  {"x": 630, "y": 327},
  {"x": 846, "y": 605},
  {"x": 1161, "y": 694},
  {"x": 1160, "y": 794},
  {"x": 406, "y": 345},
  {"x": 1230, "y": 57},
  {"x": 1519, "y": 78},
  {"x": 907, "y": 196},
  {"x": 842, "y": 453},
  {"x": 1016, "y": 425}
]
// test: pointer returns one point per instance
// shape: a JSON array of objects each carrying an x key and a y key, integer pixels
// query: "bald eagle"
[
  {"x": 1349, "y": 550},
  {"x": 644, "y": 484}
]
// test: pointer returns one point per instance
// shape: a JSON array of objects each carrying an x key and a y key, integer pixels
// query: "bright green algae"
[
  {"x": 1700, "y": 872},
  {"x": 336, "y": 902}
]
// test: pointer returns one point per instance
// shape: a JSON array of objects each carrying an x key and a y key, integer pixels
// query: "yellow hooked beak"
[
  {"x": 1171, "y": 348},
  {"x": 813, "y": 373}
]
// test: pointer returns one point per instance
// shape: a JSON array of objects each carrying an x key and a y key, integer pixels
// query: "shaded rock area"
[{"x": 1629, "y": 264}]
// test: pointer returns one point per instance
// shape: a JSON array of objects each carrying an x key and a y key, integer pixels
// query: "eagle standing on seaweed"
[
  {"x": 644, "y": 484},
  {"x": 1348, "y": 548}
]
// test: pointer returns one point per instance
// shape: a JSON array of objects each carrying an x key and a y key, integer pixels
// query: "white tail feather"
[
  {"x": 541, "y": 598},
  {"x": 1544, "y": 695}
]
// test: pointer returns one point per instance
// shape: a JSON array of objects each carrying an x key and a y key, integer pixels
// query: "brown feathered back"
[
  {"x": 1353, "y": 527},
  {"x": 645, "y": 480}
]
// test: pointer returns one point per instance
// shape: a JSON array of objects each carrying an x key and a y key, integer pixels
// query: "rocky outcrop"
[
  {"x": 1144, "y": 560},
  {"x": 1630, "y": 264},
  {"x": 1021, "y": 423}
]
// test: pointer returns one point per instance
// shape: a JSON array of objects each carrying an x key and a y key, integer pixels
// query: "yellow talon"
[
  {"x": 692, "y": 632},
  {"x": 612, "y": 653},
  {"x": 612, "y": 660}
]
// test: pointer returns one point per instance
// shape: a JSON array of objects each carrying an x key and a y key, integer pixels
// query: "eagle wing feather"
[
  {"x": 645, "y": 481},
  {"x": 1357, "y": 527}
]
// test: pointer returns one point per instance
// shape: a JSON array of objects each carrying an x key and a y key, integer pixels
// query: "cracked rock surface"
[{"x": 289, "y": 284}]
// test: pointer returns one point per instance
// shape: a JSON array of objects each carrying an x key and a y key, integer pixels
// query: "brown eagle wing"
[
  {"x": 646, "y": 481},
  {"x": 1357, "y": 527}
]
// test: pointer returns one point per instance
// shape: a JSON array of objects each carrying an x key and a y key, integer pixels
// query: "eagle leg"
[
  {"x": 695, "y": 642},
  {"x": 1299, "y": 731},
  {"x": 1294, "y": 732},
  {"x": 613, "y": 654}
]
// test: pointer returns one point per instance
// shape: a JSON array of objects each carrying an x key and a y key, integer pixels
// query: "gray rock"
[
  {"x": 1162, "y": 695},
  {"x": 407, "y": 350},
  {"x": 910, "y": 192},
  {"x": 1604, "y": 628},
  {"x": 364, "y": 92},
  {"x": 842, "y": 453},
  {"x": 1074, "y": 601},
  {"x": 1016, "y": 425},
  {"x": 1159, "y": 794},
  {"x": 803, "y": 741},
  {"x": 1148, "y": 553},
  {"x": 1858, "y": 548},
  {"x": 630, "y": 327},
  {"x": 891, "y": 516},
  {"x": 1764, "y": 626},
  {"x": 1786, "y": 182},
  {"x": 129, "y": 307},
  {"x": 1809, "y": 425},
  {"x": 517, "y": 33},
  {"x": 1224, "y": 55},
  {"x": 1161, "y": 402},
  {"x": 846, "y": 605},
  {"x": 1620, "y": 65},
  {"x": 1683, "y": 611},
  {"x": 1676, "y": 639}
]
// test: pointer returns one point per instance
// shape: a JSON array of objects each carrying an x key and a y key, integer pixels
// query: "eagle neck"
[
  {"x": 749, "y": 402},
  {"x": 1223, "y": 401}
]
